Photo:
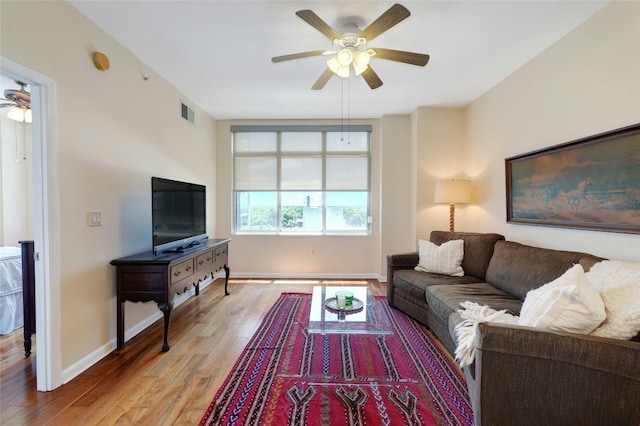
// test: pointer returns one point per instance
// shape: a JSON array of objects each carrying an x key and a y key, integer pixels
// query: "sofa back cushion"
[
  {"x": 478, "y": 249},
  {"x": 517, "y": 268}
]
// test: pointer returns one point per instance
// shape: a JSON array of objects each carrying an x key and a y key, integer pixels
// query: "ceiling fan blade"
[
  {"x": 297, "y": 55},
  {"x": 316, "y": 22},
  {"x": 7, "y": 105},
  {"x": 371, "y": 78},
  {"x": 388, "y": 19},
  {"x": 402, "y": 56},
  {"x": 322, "y": 80}
]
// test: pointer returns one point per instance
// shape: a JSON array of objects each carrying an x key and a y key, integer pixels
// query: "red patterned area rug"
[{"x": 286, "y": 375}]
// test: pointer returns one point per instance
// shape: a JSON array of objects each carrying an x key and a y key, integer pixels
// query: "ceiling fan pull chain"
[
  {"x": 342, "y": 110},
  {"x": 15, "y": 130},
  {"x": 349, "y": 111}
]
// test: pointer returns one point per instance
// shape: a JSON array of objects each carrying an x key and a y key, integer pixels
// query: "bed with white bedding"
[{"x": 11, "y": 309}]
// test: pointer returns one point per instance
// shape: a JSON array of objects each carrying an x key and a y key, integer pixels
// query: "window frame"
[{"x": 323, "y": 154}]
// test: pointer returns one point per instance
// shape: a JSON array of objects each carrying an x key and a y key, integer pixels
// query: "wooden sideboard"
[{"x": 146, "y": 277}]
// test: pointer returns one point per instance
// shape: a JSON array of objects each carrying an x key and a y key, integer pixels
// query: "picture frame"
[{"x": 590, "y": 183}]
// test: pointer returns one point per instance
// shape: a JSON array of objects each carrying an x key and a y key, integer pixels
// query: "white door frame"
[{"x": 47, "y": 223}]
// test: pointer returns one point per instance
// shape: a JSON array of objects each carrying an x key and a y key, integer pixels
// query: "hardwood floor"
[{"x": 141, "y": 385}]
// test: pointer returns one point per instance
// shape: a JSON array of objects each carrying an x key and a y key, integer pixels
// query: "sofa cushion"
[
  {"x": 517, "y": 268},
  {"x": 443, "y": 300},
  {"x": 441, "y": 259},
  {"x": 568, "y": 303},
  {"x": 478, "y": 249},
  {"x": 412, "y": 282}
]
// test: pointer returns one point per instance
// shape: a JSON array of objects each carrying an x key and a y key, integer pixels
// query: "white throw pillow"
[
  {"x": 618, "y": 283},
  {"x": 445, "y": 259},
  {"x": 568, "y": 303}
]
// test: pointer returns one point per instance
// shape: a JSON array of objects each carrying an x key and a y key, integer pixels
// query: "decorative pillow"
[
  {"x": 568, "y": 303},
  {"x": 445, "y": 259},
  {"x": 618, "y": 283}
]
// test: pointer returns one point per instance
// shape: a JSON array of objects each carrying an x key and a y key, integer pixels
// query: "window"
[{"x": 301, "y": 179}]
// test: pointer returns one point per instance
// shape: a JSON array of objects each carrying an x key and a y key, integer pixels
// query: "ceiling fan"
[
  {"x": 351, "y": 50},
  {"x": 20, "y": 101}
]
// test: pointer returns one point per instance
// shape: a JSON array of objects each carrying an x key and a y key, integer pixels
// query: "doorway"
[{"x": 46, "y": 222}]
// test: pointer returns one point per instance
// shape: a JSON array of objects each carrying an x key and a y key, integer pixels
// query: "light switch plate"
[{"x": 94, "y": 218}]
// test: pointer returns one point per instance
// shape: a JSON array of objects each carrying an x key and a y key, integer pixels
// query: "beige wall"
[
  {"x": 114, "y": 131},
  {"x": 587, "y": 83},
  {"x": 398, "y": 187},
  {"x": 440, "y": 148},
  {"x": 16, "y": 182}
]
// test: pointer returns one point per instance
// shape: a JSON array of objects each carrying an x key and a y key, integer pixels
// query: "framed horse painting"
[{"x": 590, "y": 183}]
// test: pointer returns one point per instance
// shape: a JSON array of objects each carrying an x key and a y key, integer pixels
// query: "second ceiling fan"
[{"x": 351, "y": 50}]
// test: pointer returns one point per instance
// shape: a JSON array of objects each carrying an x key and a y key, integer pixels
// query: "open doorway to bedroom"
[
  {"x": 16, "y": 197},
  {"x": 16, "y": 227},
  {"x": 28, "y": 161}
]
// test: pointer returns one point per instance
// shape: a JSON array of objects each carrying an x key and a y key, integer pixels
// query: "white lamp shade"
[
  {"x": 359, "y": 68},
  {"x": 335, "y": 66},
  {"x": 453, "y": 191},
  {"x": 360, "y": 62},
  {"x": 345, "y": 57}
]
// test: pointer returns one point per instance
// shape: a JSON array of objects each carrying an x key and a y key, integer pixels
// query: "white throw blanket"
[
  {"x": 472, "y": 313},
  {"x": 617, "y": 282}
]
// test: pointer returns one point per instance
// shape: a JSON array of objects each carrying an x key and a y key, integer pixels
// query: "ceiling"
[{"x": 218, "y": 52}]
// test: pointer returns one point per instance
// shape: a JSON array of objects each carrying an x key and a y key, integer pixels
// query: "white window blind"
[{"x": 301, "y": 179}]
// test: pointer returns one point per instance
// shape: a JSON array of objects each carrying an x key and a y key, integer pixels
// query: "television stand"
[{"x": 146, "y": 277}]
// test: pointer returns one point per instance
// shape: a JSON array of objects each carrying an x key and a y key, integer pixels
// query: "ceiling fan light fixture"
[
  {"x": 340, "y": 63},
  {"x": 361, "y": 62},
  {"x": 20, "y": 114},
  {"x": 361, "y": 58},
  {"x": 359, "y": 69},
  {"x": 345, "y": 57},
  {"x": 337, "y": 68}
]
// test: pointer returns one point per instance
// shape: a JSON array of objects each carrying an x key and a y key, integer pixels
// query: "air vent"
[{"x": 188, "y": 114}]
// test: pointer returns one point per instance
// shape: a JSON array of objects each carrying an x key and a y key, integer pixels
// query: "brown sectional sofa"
[{"x": 521, "y": 375}]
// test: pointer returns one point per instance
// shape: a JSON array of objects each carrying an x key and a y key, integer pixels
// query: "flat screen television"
[{"x": 178, "y": 215}]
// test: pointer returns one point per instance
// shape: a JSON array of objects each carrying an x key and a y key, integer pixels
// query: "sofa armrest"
[
  {"x": 539, "y": 377},
  {"x": 403, "y": 260},
  {"x": 395, "y": 262}
]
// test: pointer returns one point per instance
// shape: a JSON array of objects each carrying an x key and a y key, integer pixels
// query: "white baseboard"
[
  {"x": 323, "y": 276},
  {"x": 77, "y": 368},
  {"x": 86, "y": 362}
]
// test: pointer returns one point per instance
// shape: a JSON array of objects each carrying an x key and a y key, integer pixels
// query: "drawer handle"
[
  {"x": 201, "y": 262},
  {"x": 176, "y": 273},
  {"x": 188, "y": 268}
]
